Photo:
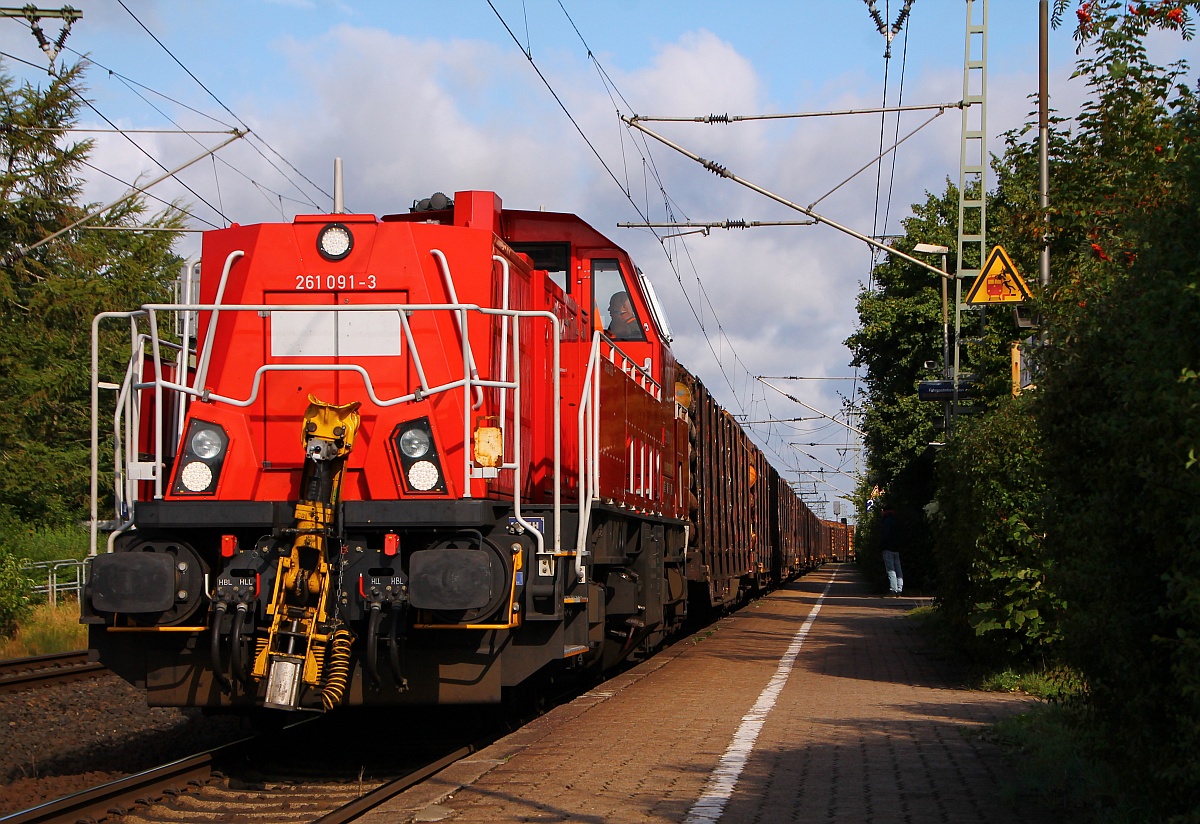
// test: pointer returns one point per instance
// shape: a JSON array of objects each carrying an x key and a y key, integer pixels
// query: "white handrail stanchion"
[{"x": 129, "y": 471}]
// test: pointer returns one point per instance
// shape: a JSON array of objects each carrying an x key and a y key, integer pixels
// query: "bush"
[
  {"x": 14, "y": 592},
  {"x": 1120, "y": 414},
  {"x": 990, "y": 545}
]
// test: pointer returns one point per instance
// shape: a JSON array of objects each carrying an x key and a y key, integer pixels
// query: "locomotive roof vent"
[{"x": 434, "y": 203}]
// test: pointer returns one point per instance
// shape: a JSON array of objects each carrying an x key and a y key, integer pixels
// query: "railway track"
[
  {"x": 215, "y": 785},
  {"x": 46, "y": 670}
]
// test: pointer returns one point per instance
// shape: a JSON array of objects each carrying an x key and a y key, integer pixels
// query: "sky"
[{"x": 463, "y": 94}]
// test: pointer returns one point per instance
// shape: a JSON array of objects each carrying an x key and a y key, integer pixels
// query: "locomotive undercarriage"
[{"x": 438, "y": 602}]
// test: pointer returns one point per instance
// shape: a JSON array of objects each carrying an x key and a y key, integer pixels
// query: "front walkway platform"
[{"x": 819, "y": 702}]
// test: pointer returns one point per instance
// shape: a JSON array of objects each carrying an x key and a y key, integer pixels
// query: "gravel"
[{"x": 57, "y": 740}]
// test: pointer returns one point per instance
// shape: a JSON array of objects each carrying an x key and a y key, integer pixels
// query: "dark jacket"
[{"x": 889, "y": 531}]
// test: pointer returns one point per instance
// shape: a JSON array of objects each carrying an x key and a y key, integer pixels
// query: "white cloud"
[{"x": 411, "y": 116}]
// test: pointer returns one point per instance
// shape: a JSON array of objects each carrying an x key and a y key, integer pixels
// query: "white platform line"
[{"x": 721, "y": 783}]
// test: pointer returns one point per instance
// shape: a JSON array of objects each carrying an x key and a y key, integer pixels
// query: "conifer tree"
[{"x": 49, "y": 295}]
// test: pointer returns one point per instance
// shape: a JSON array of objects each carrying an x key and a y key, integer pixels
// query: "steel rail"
[
  {"x": 381, "y": 794},
  {"x": 54, "y": 659},
  {"x": 119, "y": 796},
  {"x": 46, "y": 670}
]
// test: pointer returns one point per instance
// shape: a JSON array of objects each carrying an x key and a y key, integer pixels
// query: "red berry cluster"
[{"x": 1163, "y": 9}]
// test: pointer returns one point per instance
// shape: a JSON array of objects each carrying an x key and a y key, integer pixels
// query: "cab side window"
[
  {"x": 553, "y": 257},
  {"x": 612, "y": 304}
]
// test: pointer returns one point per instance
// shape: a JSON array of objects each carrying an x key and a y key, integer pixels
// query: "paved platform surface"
[{"x": 758, "y": 719}]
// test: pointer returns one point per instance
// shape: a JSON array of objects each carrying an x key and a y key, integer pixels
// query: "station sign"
[
  {"x": 944, "y": 390},
  {"x": 998, "y": 282}
]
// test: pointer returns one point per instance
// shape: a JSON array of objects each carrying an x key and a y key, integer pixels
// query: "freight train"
[{"x": 426, "y": 458}]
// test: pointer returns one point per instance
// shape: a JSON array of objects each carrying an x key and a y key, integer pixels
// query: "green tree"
[
  {"x": 900, "y": 329},
  {"x": 1116, "y": 405},
  {"x": 49, "y": 294},
  {"x": 993, "y": 570},
  {"x": 1067, "y": 520}
]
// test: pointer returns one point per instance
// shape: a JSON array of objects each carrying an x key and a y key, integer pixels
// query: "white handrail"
[
  {"x": 190, "y": 282},
  {"x": 206, "y": 355},
  {"x": 94, "y": 488},
  {"x": 589, "y": 473},
  {"x": 128, "y": 408},
  {"x": 448, "y": 279},
  {"x": 631, "y": 368},
  {"x": 537, "y": 533},
  {"x": 504, "y": 321}
]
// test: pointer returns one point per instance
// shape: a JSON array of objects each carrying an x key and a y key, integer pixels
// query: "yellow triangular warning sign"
[{"x": 998, "y": 282}]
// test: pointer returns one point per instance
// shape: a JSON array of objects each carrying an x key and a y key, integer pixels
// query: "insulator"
[{"x": 716, "y": 168}]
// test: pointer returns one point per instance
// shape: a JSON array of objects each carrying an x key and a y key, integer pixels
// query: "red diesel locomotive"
[{"x": 421, "y": 458}]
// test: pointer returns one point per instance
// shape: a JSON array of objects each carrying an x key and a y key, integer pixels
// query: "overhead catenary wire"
[
  {"x": 811, "y": 408},
  {"x": 890, "y": 150},
  {"x": 742, "y": 118},
  {"x": 673, "y": 259},
  {"x": 900, "y": 97},
  {"x": 171, "y": 54},
  {"x": 529, "y": 57},
  {"x": 624, "y": 187},
  {"x": 703, "y": 227},
  {"x": 150, "y": 195},
  {"x": 612, "y": 90},
  {"x": 237, "y": 132},
  {"x": 818, "y": 479},
  {"x": 889, "y": 34},
  {"x": 123, "y": 132},
  {"x": 648, "y": 164},
  {"x": 78, "y": 130},
  {"x": 829, "y": 465},
  {"x": 135, "y": 191},
  {"x": 722, "y": 171},
  {"x": 307, "y": 200},
  {"x": 252, "y": 143}
]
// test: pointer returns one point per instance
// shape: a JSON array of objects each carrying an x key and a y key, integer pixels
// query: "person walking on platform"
[{"x": 889, "y": 534}]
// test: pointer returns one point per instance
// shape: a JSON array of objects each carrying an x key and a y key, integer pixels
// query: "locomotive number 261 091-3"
[{"x": 334, "y": 282}]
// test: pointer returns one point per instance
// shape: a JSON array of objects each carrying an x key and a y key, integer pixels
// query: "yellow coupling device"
[{"x": 300, "y": 633}]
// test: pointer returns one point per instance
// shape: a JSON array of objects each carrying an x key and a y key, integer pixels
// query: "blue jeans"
[{"x": 891, "y": 562}]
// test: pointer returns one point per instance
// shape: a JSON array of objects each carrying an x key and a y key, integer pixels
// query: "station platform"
[{"x": 818, "y": 702}]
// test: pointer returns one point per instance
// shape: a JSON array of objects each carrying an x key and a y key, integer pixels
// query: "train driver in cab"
[{"x": 623, "y": 323}]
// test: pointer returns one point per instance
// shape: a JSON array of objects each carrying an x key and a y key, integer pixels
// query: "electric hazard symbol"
[{"x": 998, "y": 282}]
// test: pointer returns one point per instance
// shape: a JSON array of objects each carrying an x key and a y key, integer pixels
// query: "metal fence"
[{"x": 54, "y": 579}]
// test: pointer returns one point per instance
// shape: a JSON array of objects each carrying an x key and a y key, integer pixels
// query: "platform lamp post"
[{"x": 933, "y": 249}]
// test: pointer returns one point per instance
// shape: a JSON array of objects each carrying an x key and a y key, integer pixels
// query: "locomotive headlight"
[
  {"x": 416, "y": 452},
  {"x": 423, "y": 476},
  {"x": 196, "y": 476},
  {"x": 414, "y": 443},
  {"x": 335, "y": 242},
  {"x": 206, "y": 443},
  {"x": 202, "y": 454}
]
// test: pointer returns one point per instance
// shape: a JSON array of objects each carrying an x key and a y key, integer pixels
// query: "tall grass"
[
  {"x": 1058, "y": 761},
  {"x": 47, "y": 629}
]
